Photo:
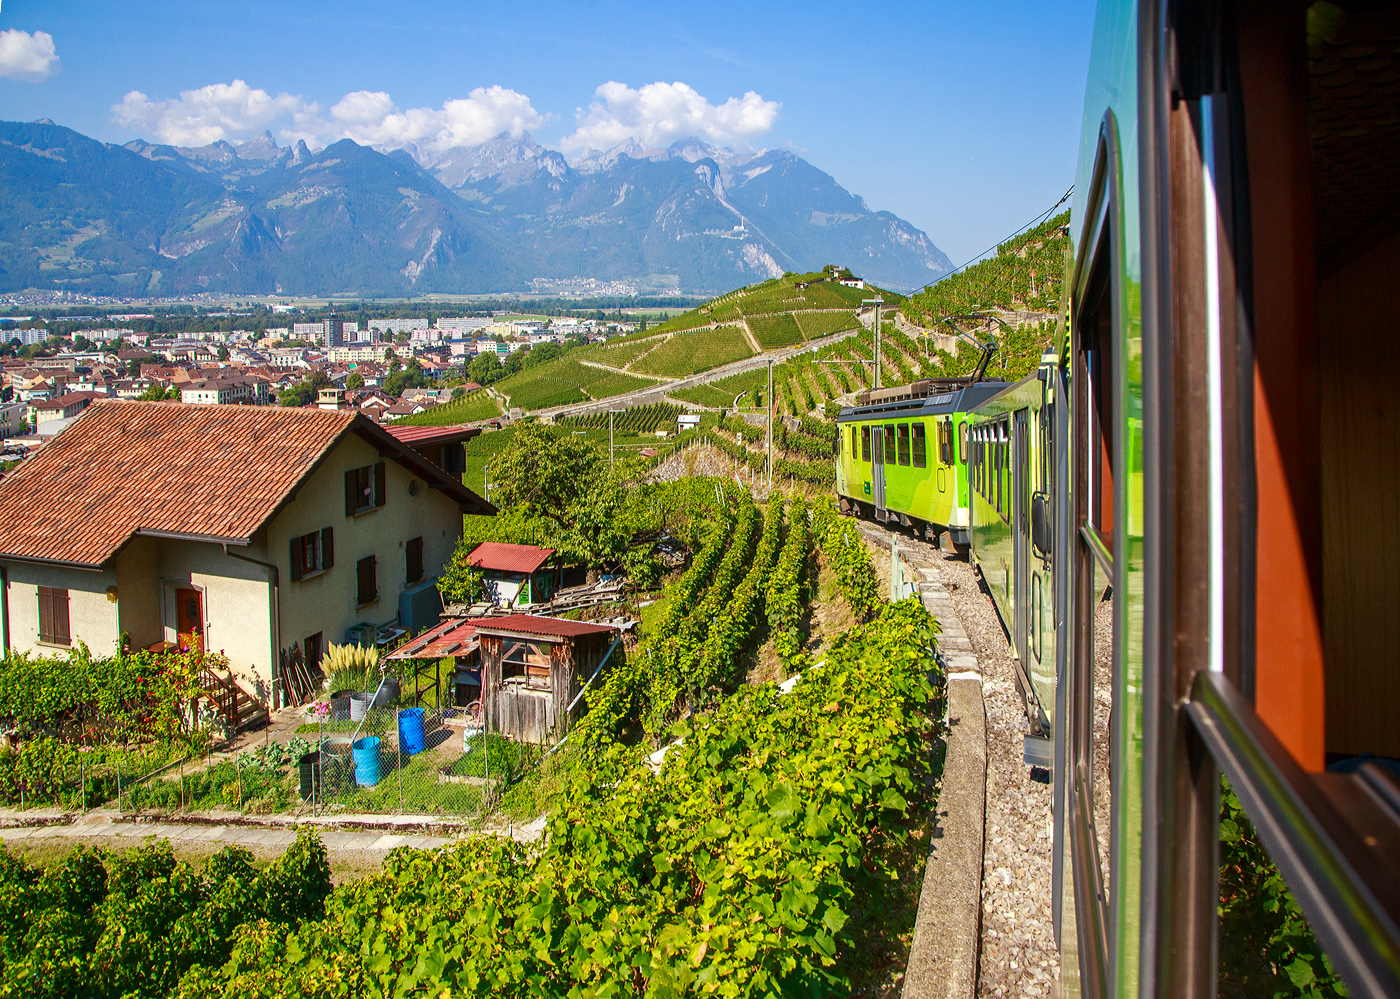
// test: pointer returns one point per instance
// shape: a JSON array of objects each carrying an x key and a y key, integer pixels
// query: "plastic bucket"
[
  {"x": 309, "y": 767},
  {"x": 388, "y": 692},
  {"x": 366, "y": 752},
  {"x": 359, "y": 705},
  {"x": 411, "y": 730}
]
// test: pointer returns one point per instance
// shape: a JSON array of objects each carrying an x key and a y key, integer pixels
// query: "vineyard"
[
  {"x": 619, "y": 354},
  {"x": 775, "y": 332},
  {"x": 639, "y": 420},
  {"x": 472, "y": 407},
  {"x": 565, "y": 380},
  {"x": 688, "y": 353}
]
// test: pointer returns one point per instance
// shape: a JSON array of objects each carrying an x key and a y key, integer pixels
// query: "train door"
[
  {"x": 877, "y": 469},
  {"x": 1020, "y": 532}
]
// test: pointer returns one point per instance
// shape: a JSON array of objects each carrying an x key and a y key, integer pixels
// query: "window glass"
[
  {"x": 962, "y": 442},
  {"x": 889, "y": 444},
  {"x": 865, "y": 444},
  {"x": 920, "y": 446},
  {"x": 365, "y": 488},
  {"x": 903, "y": 443}
]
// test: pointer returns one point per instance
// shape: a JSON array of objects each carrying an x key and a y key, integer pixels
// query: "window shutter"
[
  {"x": 379, "y": 484},
  {"x": 60, "y": 617},
  {"x": 327, "y": 547},
  {"x": 352, "y": 500},
  {"x": 413, "y": 550},
  {"x": 373, "y": 577},
  {"x": 298, "y": 557},
  {"x": 45, "y": 614}
]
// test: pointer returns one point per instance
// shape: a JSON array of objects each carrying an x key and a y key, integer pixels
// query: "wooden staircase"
[{"x": 238, "y": 708}]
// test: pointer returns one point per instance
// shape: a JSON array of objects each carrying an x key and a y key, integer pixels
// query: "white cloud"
[
  {"x": 27, "y": 57},
  {"x": 218, "y": 111},
  {"x": 372, "y": 118},
  {"x": 660, "y": 113}
]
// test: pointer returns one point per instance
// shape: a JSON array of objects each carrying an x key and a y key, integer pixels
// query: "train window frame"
[
  {"x": 855, "y": 438},
  {"x": 902, "y": 443},
  {"x": 889, "y": 444},
  {"x": 918, "y": 444},
  {"x": 962, "y": 441},
  {"x": 865, "y": 444}
]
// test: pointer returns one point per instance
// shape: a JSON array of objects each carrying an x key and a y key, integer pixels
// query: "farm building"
[
  {"x": 515, "y": 575},
  {"x": 532, "y": 669}
]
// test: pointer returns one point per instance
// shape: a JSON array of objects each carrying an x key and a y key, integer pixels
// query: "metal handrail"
[
  {"x": 1095, "y": 544},
  {"x": 1301, "y": 830}
]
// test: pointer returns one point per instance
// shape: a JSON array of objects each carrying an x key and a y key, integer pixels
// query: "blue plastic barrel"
[
  {"x": 366, "y": 753},
  {"x": 411, "y": 730}
]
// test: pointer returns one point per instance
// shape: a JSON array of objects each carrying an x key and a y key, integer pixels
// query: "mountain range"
[{"x": 508, "y": 215}]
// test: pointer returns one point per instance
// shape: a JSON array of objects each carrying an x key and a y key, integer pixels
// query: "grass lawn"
[{"x": 688, "y": 353}]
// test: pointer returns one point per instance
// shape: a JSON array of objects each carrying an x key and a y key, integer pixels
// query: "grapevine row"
[
  {"x": 732, "y": 630},
  {"x": 786, "y": 595},
  {"x": 849, "y": 559}
]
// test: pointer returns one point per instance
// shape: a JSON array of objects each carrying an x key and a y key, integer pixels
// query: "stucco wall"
[
  {"x": 92, "y": 617},
  {"x": 325, "y": 603}
]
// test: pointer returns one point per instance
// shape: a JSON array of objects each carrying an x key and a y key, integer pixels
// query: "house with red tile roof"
[{"x": 259, "y": 529}]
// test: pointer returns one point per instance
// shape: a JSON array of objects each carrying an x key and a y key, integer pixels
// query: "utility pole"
[
  {"x": 877, "y": 302},
  {"x": 771, "y": 408},
  {"x": 486, "y": 483},
  {"x": 611, "y": 414}
]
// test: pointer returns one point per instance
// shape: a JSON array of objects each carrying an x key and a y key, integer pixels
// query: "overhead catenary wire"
[{"x": 1029, "y": 225}]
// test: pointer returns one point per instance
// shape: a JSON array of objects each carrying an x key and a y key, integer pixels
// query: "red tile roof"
[
  {"x": 433, "y": 435},
  {"x": 529, "y": 624},
  {"x": 500, "y": 557},
  {"x": 164, "y": 468}
]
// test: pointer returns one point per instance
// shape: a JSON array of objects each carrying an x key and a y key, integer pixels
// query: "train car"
[
  {"x": 1225, "y": 533},
  {"x": 1011, "y": 475},
  {"x": 901, "y": 455}
]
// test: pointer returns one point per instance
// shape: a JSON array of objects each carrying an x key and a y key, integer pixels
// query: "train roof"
[{"x": 928, "y": 397}]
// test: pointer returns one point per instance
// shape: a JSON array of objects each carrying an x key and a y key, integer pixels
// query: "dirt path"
[{"x": 1018, "y": 954}]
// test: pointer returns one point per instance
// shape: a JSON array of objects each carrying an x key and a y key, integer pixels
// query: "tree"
[
  {"x": 544, "y": 469},
  {"x": 484, "y": 368},
  {"x": 355, "y": 381},
  {"x": 223, "y": 354}
]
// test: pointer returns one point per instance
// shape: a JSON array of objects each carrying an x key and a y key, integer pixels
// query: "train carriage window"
[
  {"x": 945, "y": 443},
  {"x": 854, "y": 445},
  {"x": 865, "y": 444},
  {"x": 889, "y": 444},
  {"x": 904, "y": 443},
  {"x": 962, "y": 441},
  {"x": 920, "y": 446}
]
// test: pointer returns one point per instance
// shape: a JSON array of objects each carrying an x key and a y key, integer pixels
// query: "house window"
[
  {"x": 312, "y": 553},
  {"x": 53, "y": 616},
  {"x": 920, "y": 446},
  {"x": 366, "y": 581},
  {"x": 364, "y": 488},
  {"x": 413, "y": 552},
  {"x": 904, "y": 443}
]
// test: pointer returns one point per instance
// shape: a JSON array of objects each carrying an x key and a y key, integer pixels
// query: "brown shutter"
[
  {"x": 365, "y": 583},
  {"x": 352, "y": 499},
  {"x": 298, "y": 557},
  {"x": 45, "y": 614},
  {"x": 413, "y": 550},
  {"x": 379, "y": 485},
  {"x": 327, "y": 547},
  {"x": 60, "y": 617}
]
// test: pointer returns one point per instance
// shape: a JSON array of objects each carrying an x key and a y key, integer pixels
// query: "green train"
[
  {"x": 901, "y": 455},
  {"x": 1188, "y": 516}
]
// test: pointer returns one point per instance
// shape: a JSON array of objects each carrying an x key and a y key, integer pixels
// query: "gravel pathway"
[{"x": 1018, "y": 956}]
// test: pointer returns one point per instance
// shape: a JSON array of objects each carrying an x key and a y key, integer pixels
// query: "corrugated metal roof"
[
  {"x": 500, "y": 557},
  {"x": 529, "y": 624},
  {"x": 215, "y": 472},
  {"x": 453, "y": 637}
]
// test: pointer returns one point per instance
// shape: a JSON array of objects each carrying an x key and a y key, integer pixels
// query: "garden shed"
[
  {"x": 532, "y": 669},
  {"x": 453, "y": 639},
  {"x": 515, "y": 575}
]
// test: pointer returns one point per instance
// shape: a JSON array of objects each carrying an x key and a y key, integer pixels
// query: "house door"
[{"x": 189, "y": 616}]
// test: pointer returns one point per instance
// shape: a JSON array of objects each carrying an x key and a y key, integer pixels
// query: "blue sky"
[{"x": 962, "y": 118}]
